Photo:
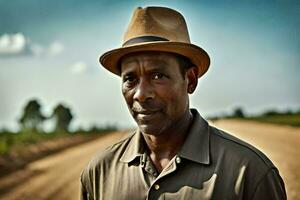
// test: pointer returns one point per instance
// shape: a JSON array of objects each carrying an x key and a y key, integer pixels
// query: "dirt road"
[
  {"x": 57, "y": 176},
  {"x": 53, "y": 177}
]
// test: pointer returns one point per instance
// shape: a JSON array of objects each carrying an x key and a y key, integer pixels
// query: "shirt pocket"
[{"x": 186, "y": 192}]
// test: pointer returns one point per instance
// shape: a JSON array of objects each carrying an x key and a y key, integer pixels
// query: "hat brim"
[{"x": 110, "y": 60}]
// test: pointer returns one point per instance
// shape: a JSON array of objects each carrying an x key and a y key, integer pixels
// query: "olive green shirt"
[{"x": 210, "y": 165}]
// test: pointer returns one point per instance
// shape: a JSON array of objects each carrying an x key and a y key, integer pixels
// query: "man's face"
[{"x": 155, "y": 90}]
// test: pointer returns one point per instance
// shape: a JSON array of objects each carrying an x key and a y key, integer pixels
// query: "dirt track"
[{"x": 57, "y": 176}]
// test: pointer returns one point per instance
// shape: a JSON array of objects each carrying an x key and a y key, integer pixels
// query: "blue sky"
[{"x": 49, "y": 50}]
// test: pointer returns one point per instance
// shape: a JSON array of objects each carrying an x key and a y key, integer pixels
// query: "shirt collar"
[
  {"x": 134, "y": 149},
  {"x": 195, "y": 147}
]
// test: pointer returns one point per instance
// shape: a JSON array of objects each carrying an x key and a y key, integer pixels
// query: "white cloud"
[
  {"x": 37, "y": 49},
  {"x": 78, "y": 67},
  {"x": 55, "y": 48},
  {"x": 16, "y": 44},
  {"x": 11, "y": 44}
]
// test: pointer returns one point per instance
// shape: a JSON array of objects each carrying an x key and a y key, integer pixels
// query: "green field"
[
  {"x": 291, "y": 119},
  {"x": 288, "y": 119},
  {"x": 18, "y": 141}
]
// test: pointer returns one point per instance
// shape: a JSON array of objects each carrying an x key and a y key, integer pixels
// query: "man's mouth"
[{"x": 146, "y": 114}]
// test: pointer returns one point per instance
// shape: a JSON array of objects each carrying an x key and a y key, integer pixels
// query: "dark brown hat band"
[{"x": 143, "y": 39}]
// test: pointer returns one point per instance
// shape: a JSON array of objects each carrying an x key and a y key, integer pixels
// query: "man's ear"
[{"x": 192, "y": 78}]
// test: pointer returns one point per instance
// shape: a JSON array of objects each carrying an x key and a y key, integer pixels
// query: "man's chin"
[{"x": 149, "y": 129}]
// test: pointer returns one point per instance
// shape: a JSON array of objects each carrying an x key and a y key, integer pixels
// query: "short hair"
[{"x": 184, "y": 64}]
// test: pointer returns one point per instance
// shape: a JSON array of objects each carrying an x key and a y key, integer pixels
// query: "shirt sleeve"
[
  {"x": 84, "y": 194},
  {"x": 271, "y": 187}
]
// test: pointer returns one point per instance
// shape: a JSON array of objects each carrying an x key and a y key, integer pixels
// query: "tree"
[
  {"x": 271, "y": 113},
  {"x": 63, "y": 117},
  {"x": 238, "y": 112},
  {"x": 32, "y": 117}
]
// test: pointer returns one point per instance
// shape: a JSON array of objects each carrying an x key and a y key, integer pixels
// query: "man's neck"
[{"x": 162, "y": 148}]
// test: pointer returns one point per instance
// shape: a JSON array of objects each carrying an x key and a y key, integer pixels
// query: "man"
[{"x": 175, "y": 153}]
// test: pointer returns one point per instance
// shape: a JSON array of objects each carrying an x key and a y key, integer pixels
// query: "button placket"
[
  {"x": 149, "y": 167},
  {"x": 171, "y": 167}
]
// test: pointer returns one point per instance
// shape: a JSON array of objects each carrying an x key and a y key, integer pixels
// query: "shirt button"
[
  {"x": 156, "y": 187},
  {"x": 178, "y": 160}
]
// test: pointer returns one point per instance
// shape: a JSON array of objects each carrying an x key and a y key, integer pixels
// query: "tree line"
[
  {"x": 238, "y": 112},
  {"x": 32, "y": 127},
  {"x": 32, "y": 118}
]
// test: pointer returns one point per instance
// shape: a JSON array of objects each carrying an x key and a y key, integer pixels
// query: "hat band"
[{"x": 142, "y": 39}]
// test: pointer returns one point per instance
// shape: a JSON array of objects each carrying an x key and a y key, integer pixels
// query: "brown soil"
[{"x": 57, "y": 176}]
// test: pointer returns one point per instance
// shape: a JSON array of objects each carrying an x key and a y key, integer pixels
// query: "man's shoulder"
[
  {"x": 238, "y": 158},
  {"x": 103, "y": 162},
  {"x": 110, "y": 154},
  {"x": 238, "y": 150}
]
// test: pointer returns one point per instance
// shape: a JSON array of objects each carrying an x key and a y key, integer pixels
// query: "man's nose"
[{"x": 144, "y": 91}]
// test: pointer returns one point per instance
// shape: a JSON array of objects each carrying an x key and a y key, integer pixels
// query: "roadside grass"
[
  {"x": 283, "y": 119},
  {"x": 9, "y": 141},
  {"x": 18, "y": 141}
]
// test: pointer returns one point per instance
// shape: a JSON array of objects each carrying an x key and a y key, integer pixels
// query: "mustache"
[{"x": 144, "y": 107}]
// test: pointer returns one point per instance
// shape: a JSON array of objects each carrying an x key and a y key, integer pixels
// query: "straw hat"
[{"x": 156, "y": 29}]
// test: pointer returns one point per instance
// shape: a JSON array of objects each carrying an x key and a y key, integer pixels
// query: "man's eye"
[
  {"x": 128, "y": 79},
  {"x": 157, "y": 76}
]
